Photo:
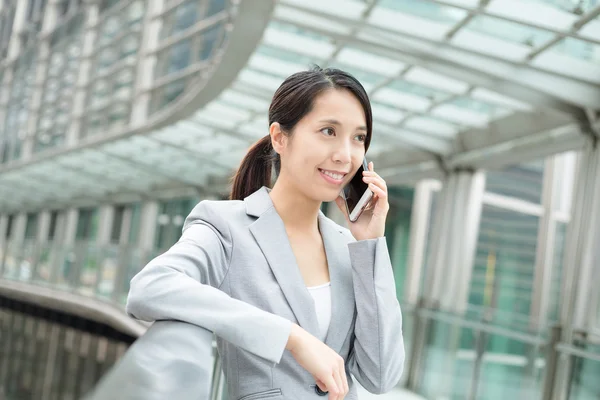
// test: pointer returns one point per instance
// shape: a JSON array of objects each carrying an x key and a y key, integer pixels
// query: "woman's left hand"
[{"x": 371, "y": 223}]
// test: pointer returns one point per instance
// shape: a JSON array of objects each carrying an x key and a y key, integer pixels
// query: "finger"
[
  {"x": 382, "y": 194},
  {"x": 321, "y": 385},
  {"x": 377, "y": 181},
  {"x": 331, "y": 387},
  {"x": 344, "y": 378},
  {"x": 371, "y": 168},
  {"x": 340, "y": 383}
]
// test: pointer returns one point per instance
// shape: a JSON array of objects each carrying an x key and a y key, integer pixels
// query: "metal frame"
[{"x": 545, "y": 90}]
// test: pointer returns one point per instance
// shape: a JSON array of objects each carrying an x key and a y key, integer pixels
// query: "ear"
[{"x": 278, "y": 138}]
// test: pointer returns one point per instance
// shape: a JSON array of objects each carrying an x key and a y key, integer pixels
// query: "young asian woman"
[{"x": 298, "y": 303}]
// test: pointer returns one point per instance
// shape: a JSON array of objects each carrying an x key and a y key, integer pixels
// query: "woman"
[{"x": 297, "y": 302}]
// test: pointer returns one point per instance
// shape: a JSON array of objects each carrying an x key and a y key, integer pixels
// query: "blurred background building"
[{"x": 117, "y": 117}]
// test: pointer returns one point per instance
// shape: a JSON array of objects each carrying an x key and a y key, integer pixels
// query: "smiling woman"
[{"x": 299, "y": 304}]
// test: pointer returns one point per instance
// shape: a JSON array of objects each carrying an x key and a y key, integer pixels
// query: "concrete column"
[
  {"x": 454, "y": 240},
  {"x": 3, "y": 241},
  {"x": 70, "y": 226},
  {"x": 455, "y": 229},
  {"x": 18, "y": 26},
  {"x": 6, "y": 84},
  {"x": 3, "y": 227},
  {"x": 41, "y": 71},
  {"x": 105, "y": 222},
  {"x": 419, "y": 226},
  {"x": 43, "y": 227},
  {"x": 545, "y": 246},
  {"x": 146, "y": 63},
  {"x": 148, "y": 225},
  {"x": 83, "y": 78},
  {"x": 579, "y": 288}
]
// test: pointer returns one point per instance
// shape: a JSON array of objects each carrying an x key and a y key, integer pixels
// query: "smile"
[{"x": 332, "y": 177}]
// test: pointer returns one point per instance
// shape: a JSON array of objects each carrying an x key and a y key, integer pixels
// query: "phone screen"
[{"x": 356, "y": 188}]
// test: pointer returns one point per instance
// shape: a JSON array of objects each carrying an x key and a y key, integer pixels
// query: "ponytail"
[{"x": 255, "y": 170}]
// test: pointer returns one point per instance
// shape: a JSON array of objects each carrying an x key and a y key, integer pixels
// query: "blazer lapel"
[
  {"x": 342, "y": 289},
  {"x": 271, "y": 236}
]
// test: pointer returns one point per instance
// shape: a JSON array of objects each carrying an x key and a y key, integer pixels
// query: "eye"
[
  {"x": 328, "y": 131},
  {"x": 361, "y": 138}
]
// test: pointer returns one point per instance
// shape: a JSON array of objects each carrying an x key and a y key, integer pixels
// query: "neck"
[{"x": 295, "y": 209}]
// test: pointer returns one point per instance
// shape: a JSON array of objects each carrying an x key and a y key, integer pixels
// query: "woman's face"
[{"x": 327, "y": 146}]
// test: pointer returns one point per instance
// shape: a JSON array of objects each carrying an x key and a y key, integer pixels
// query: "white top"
[{"x": 322, "y": 296}]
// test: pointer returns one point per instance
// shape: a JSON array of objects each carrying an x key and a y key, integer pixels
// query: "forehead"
[{"x": 340, "y": 104}]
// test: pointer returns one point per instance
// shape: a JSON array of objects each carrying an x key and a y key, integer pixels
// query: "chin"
[{"x": 330, "y": 195}]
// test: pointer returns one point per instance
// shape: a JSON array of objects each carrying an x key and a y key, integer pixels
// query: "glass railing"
[
  {"x": 469, "y": 357},
  {"x": 102, "y": 272},
  {"x": 475, "y": 355}
]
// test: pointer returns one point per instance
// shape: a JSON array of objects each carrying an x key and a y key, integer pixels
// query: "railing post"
[
  {"x": 551, "y": 362},
  {"x": 419, "y": 340}
]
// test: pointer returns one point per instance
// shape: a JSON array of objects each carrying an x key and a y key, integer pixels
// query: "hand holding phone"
[
  {"x": 367, "y": 191},
  {"x": 357, "y": 194}
]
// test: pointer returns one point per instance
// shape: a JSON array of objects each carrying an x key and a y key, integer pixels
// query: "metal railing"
[{"x": 444, "y": 349}]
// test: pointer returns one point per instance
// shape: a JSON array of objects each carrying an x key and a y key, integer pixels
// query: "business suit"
[
  {"x": 172, "y": 360},
  {"x": 234, "y": 272}
]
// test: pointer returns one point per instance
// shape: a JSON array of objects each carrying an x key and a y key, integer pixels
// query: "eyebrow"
[{"x": 336, "y": 122}]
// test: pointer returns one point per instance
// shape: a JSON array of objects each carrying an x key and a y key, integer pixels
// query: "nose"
[{"x": 343, "y": 154}]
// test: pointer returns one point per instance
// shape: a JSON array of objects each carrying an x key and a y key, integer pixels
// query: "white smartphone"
[{"x": 357, "y": 194}]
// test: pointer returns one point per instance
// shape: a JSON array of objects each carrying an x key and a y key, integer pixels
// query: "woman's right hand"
[{"x": 324, "y": 364}]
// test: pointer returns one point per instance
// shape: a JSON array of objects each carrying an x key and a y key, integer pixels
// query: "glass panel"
[
  {"x": 170, "y": 221},
  {"x": 86, "y": 267},
  {"x": 419, "y": 90},
  {"x": 425, "y": 9},
  {"x": 503, "y": 270},
  {"x": 585, "y": 384},
  {"x": 447, "y": 374},
  {"x": 522, "y": 181},
  {"x": 185, "y": 16},
  {"x": 284, "y": 54},
  {"x": 210, "y": 41},
  {"x": 509, "y": 31},
  {"x": 87, "y": 224},
  {"x": 109, "y": 265},
  {"x": 31, "y": 226},
  {"x": 533, "y": 11},
  {"x": 577, "y": 7},
  {"x": 510, "y": 369},
  {"x": 215, "y": 6},
  {"x": 577, "y": 49},
  {"x": 398, "y": 233},
  {"x": 134, "y": 229}
]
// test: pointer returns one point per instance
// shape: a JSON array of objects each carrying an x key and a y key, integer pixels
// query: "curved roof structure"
[{"x": 140, "y": 97}]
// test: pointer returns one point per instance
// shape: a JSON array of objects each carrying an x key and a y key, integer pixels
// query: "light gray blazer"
[
  {"x": 233, "y": 272},
  {"x": 172, "y": 360}
]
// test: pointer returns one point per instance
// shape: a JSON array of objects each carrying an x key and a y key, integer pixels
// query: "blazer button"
[{"x": 319, "y": 391}]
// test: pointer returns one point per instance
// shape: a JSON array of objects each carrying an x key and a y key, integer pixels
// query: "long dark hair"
[{"x": 291, "y": 102}]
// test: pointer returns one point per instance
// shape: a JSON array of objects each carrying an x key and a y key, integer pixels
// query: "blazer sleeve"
[
  {"x": 183, "y": 284},
  {"x": 377, "y": 357},
  {"x": 168, "y": 362}
]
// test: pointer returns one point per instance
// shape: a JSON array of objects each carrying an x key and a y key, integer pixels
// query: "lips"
[
  {"x": 335, "y": 175},
  {"x": 332, "y": 177}
]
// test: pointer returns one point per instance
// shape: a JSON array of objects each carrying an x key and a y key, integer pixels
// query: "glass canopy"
[{"x": 447, "y": 78}]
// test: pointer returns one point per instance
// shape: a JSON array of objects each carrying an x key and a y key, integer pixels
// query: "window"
[
  {"x": 52, "y": 227},
  {"x": 117, "y": 225},
  {"x": 31, "y": 226},
  {"x": 87, "y": 224},
  {"x": 9, "y": 226}
]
